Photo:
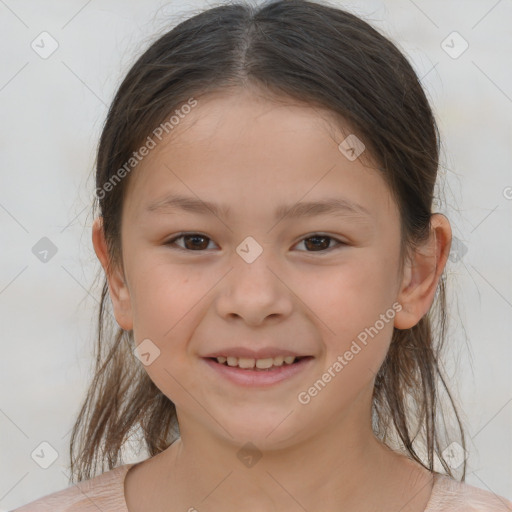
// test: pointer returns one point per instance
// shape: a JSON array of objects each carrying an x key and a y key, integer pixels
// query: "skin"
[{"x": 247, "y": 152}]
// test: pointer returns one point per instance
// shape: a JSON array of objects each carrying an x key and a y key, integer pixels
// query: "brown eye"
[
  {"x": 192, "y": 241},
  {"x": 320, "y": 243},
  {"x": 198, "y": 242}
]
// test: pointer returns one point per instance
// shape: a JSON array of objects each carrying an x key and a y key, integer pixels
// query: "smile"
[{"x": 258, "y": 372}]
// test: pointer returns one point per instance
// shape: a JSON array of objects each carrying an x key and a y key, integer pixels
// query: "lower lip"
[{"x": 259, "y": 378}]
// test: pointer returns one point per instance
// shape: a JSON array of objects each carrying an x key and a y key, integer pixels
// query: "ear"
[
  {"x": 117, "y": 287},
  {"x": 422, "y": 273}
]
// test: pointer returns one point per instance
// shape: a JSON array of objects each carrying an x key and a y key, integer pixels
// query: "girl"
[{"x": 265, "y": 184}]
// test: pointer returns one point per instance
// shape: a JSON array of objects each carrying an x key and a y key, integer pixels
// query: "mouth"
[
  {"x": 258, "y": 372},
  {"x": 267, "y": 364}
]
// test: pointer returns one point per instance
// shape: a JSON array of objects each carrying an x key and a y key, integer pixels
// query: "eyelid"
[
  {"x": 339, "y": 243},
  {"x": 177, "y": 236}
]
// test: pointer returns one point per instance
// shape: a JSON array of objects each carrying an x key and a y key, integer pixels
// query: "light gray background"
[{"x": 52, "y": 111}]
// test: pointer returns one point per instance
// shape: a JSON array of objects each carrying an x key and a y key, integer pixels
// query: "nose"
[{"x": 254, "y": 292}]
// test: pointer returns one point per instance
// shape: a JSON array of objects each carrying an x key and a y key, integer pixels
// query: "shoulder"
[
  {"x": 449, "y": 495},
  {"x": 104, "y": 492}
]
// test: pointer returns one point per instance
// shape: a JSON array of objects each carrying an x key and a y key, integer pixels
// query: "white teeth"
[{"x": 263, "y": 364}]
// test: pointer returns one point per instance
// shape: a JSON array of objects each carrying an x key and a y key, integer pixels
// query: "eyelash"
[{"x": 173, "y": 246}]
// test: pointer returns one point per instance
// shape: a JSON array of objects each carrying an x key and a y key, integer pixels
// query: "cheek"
[
  {"x": 164, "y": 299},
  {"x": 163, "y": 293},
  {"x": 353, "y": 355},
  {"x": 353, "y": 306},
  {"x": 349, "y": 295}
]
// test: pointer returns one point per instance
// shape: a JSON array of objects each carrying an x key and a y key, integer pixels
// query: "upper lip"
[{"x": 263, "y": 353}]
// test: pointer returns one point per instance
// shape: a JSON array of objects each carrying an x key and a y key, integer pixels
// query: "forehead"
[
  {"x": 249, "y": 149},
  {"x": 250, "y": 119}
]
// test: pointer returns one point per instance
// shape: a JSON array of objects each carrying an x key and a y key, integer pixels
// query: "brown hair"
[{"x": 310, "y": 52}]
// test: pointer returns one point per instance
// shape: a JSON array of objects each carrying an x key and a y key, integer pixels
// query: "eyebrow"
[{"x": 333, "y": 206}]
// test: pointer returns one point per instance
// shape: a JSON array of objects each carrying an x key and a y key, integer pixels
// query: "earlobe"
[
  {"x": 118, "y": 289},
  {"x": 422, "y": 274}
]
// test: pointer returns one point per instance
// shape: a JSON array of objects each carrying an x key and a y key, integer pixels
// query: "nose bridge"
[
  {"x": 250, "y": 250},
  {"x": 253, "y": 264}
]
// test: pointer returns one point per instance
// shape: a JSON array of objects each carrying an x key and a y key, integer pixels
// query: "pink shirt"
[{"x": 105, "y": 492}]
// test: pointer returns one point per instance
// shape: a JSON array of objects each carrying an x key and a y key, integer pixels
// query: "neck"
[{"x": 341, "y": 467}]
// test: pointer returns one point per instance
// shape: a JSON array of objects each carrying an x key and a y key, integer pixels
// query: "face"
[{"x": 249, "y": 275}]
